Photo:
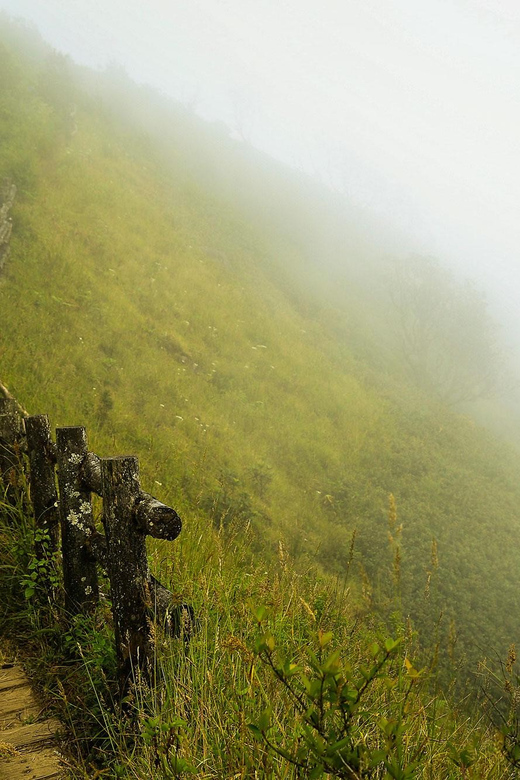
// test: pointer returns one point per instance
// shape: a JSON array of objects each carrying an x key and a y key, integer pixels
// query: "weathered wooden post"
[
  {"x": 127, "y": 567},
  {"x": 129, "y": 515},
  {"x": 42, "y": 479},
  {"x": 157, "y": 520},
  {"x": 77, "y": 524},
  {"x": 12, "y": 435}
]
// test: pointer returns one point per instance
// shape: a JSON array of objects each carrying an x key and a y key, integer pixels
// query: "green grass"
[
  {"x": 154, "y": 312},
  {"x": 211, "y": 689},
  {"x": 143, "y": 300}
]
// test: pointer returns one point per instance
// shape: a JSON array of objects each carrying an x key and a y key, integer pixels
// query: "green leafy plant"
[
  {"x": 41, "y": 572},
  {"x": 269, "y": 410},
  {"x": 341, "y": 729},
  {"x": 463, "y": 758}
]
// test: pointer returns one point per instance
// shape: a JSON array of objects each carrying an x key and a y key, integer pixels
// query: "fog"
[
  {"x": 410, "y": 108},
  {"x": 240, "y": 242}
]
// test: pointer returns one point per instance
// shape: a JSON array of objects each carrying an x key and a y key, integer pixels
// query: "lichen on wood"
[
  {"x": 127, "y": 568},
  {"x": 77, "y": 523},
  {"x": 157, "y": 519},
  {"x": 154, "y": 518},
  {"x": 91, "y": 473},
  {"x": 44, "y": 496},
  {"x": 12, "y": 443},
  {"x": 176, "y": 619}
]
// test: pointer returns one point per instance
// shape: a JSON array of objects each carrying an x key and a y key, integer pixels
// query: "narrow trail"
[{"x": 27, "y": 739}]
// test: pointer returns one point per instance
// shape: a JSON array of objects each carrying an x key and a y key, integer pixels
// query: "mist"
[
  {"x": 409, "y": 108},
  {"x": 407, "y": 113},
  {"x": 271, "y": 250}
]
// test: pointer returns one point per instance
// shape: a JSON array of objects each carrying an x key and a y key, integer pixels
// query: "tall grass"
[
  {"x": 213, "y": 686},
  {"x": 151, "y": 309}
]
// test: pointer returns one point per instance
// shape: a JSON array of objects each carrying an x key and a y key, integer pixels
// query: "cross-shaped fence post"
[{"x": 128, "y": 516}]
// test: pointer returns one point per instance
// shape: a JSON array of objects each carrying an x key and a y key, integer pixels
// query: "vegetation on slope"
[
  {"x": 285, "y": 677},
  {"x": 141, "y": 301}
]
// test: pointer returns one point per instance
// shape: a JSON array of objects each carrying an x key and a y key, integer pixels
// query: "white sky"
[{"x": 413, "y": 105}]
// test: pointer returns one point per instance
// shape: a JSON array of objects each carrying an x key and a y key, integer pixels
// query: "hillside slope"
[{"x": 156, "y": 312}]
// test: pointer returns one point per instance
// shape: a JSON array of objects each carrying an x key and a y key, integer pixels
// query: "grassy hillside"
[
  {"x": 143, "y": 300},
  {"x": 149, "y": 309}
]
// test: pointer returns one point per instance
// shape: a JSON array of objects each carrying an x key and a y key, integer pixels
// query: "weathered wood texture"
[
  {"x": 155, "y": 518},
  {"x": 11, "y": 434},
  {"x": 129, "y": 516},
  {"x": 12, "y": 442},
  {"x": 176, "y": 619},
  {"x": 77, "y": 523},
  {"x": 26, "y": 748},
  {"x": 91, "y": 473},
  {"x": 17, "y": 705},
  {"x": 44, "y": 496},
  {"x": 5, "y": 393},
  {"x": 41, "y": 764},
  {"x": 127, "y": 567}
]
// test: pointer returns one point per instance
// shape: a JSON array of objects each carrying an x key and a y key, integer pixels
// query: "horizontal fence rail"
[{"x": 63, "y": 515}]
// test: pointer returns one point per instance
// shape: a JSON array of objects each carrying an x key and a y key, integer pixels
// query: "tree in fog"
[{"x": 448, "y": 339}]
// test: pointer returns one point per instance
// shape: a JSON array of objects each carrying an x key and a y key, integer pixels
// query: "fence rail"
[{"x": 63, "y": 514}]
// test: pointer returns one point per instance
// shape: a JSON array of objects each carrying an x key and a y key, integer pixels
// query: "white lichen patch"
[
  {"x": 75, "y": 520},
  {"x": 69, "y": 490}
]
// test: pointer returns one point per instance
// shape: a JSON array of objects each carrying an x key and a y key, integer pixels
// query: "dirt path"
[{"x": 27, "y": 740}]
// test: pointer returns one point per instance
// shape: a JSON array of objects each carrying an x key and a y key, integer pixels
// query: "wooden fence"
[{"x": 64, "y": 512}]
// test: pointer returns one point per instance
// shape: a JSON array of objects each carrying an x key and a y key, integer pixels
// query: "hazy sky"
[{"x": 412, "y": 106}]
